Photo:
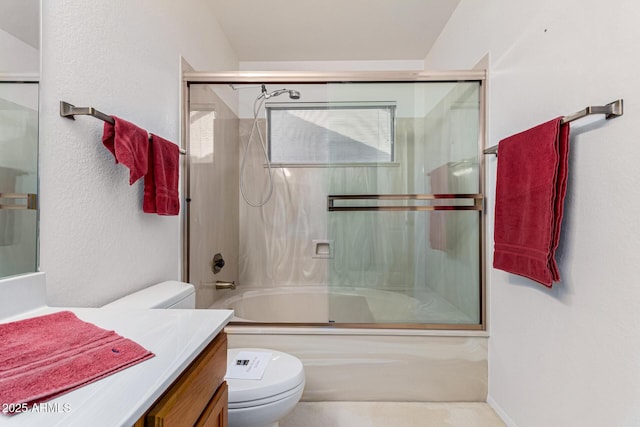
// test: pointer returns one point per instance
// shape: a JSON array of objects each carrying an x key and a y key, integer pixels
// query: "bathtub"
[
  {"x": 319, "y": 304},
  {"x": 360, "y": 364},
  {"x": 322, "y": 304}
]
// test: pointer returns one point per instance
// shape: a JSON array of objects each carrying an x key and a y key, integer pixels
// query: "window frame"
[{"x": 390, "y": 106}]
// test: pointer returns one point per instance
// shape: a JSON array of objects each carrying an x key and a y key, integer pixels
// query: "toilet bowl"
[
  {"x": 261, "y": 403},
  {"x": 252, "y": 402}
]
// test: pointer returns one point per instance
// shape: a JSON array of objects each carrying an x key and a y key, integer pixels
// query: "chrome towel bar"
[
  {"x": 611, "y": 111},
  {"x": 69, "y": 111}
]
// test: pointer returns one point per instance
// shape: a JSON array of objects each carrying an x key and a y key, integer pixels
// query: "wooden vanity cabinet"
[{"x": 199, "y": 397}]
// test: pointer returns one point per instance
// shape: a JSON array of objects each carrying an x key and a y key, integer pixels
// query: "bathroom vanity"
[
  {"x": 184, "y": 381},
  {"x": 199, "y": 397}
]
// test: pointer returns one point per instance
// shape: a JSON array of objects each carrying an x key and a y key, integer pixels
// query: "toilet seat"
[{"x": 283, "y": 377}]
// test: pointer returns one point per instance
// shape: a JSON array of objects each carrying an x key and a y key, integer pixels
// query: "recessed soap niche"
[{"x": 322, "y": 249}]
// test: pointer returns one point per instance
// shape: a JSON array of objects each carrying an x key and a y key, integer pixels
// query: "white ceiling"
[
  {"x": 300, "y": 30},
  {"x": 332, "y": 30}
]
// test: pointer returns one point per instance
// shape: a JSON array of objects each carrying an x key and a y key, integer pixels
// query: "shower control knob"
[{"x": 217, "y": 263}]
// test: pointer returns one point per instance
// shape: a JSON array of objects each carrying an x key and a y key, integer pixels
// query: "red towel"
[
  {"x": 46, "y": 356},
  {"x": 530, "y": 190},
  {"x": 161, "y": 181},
  {"x": 129, "y": 144}
]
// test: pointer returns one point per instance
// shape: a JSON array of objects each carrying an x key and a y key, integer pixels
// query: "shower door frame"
[{"x": 293, "y": 77}]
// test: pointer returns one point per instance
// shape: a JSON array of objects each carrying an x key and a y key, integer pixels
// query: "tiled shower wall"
[
  {"x": 213, "y": 209},
  {"x": 276, "y": 241}
]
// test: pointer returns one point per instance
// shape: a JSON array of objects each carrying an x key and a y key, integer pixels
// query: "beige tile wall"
[{"x": 214, "y": 205}]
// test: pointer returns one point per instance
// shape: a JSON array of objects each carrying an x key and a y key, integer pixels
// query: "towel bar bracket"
[
  {"x": 615, "y": 109},
  {"x": 69, "y": 111},
  {"x": 610, "y": 111}
]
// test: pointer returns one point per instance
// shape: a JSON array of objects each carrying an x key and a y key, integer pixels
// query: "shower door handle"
[{"x": 31, "y": 201}]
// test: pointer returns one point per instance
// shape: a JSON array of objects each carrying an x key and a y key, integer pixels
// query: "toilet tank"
[{"x": 171, "y": 294}]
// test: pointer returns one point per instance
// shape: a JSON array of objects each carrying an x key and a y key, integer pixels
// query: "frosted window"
[
  {"x": 331, "y": 133},
  {"x": 201, "y": 135}
]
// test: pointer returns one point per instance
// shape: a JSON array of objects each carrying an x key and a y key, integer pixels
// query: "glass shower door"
[
  {"x": 375, "y": 218},
  {"x": 18, "y": 178},
  {"x": 406, "y": 228}
]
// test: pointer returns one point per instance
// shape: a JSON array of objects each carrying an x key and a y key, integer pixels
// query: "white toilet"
[{"x": 252, "y": 402}]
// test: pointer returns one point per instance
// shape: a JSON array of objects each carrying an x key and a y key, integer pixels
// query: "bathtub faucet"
[{"x": 225, "y": 285}]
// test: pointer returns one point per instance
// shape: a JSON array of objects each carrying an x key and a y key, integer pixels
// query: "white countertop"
[{"x": 176, "y": 337}]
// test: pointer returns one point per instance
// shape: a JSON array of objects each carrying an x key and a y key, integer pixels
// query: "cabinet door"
[
  {"x": 216, "y": 412},
  {"x": 186, "y": 400}
]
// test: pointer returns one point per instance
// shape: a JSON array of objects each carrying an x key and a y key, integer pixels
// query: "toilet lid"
[{"x": 284, "y": 372}]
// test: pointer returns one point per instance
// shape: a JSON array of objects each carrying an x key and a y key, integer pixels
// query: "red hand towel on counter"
[
  {"x": 46, "y": 356},
  {"x": 161, "y": 181},
  {"x": 129, "y": 144},
  {"x": 530, "y": 190}
]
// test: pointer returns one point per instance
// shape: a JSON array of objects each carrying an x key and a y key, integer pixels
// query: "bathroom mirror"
[{"x": 19, "y": 68}]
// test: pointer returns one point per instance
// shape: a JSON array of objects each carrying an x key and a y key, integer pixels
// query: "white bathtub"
[
  {"x": 363, "y": 364},
  {"x": 320, "y": 304}
]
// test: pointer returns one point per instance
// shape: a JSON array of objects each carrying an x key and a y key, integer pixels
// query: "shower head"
[{"x": 293, "y": 94}]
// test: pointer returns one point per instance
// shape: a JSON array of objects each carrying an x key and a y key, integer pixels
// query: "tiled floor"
[{"x": 391, "y": 414}]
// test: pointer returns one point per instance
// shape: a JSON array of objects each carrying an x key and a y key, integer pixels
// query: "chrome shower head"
[{"x": 294, "y": 94}]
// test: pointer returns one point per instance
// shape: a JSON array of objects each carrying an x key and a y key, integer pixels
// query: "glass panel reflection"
[{"x": 18, "y": 177}]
